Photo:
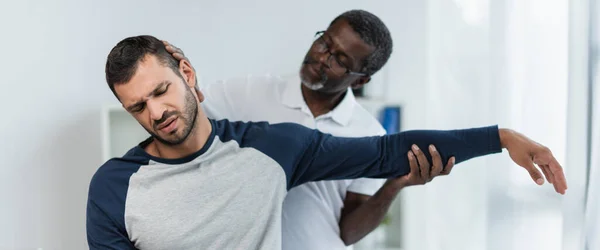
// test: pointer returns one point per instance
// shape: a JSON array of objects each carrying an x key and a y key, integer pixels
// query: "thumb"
[{"x": 535, "y": 174}]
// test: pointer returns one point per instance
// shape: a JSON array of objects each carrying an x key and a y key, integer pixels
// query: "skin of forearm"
[{"x": 356, "y": 224}]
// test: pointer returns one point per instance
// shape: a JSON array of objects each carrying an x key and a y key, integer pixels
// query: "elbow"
[{"x": 347, "y": 237}]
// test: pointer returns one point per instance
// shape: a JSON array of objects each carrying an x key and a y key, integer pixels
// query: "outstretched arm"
[{"x": 328, "y": 157}]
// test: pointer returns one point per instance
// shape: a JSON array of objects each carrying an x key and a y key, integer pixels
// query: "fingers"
[
  {"x": 555, "y": 171},
  {"x": 553, "y": 182},
  {"x": 560, "y": 182},
  {"x": 169, "y": 47},
  {"x": 179, "y": 56},
  {"x": 534, "y": 173},
  {"x": 547, "y": 173},
  {"x": 172, "y": 48},
  {"x": 423, "y": 162},
  {"x": 176, "y": 52},
  {"x": 414, "y": 167},
  {"x": 437, "y": 161},
  {"x": 414, "y": 177},
  {"x": 449, "y": 166},
  {"x": 549, "y": 176}
]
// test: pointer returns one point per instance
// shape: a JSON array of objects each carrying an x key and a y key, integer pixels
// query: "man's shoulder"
[
  {"x": 364, "y": 122},
  {"x": 277, "y": 140},
  {"x": 117, "y": 170},
  {"x": 242, "y": 98},
  {"x": 107, "y": 193},
  {"x": 255, "y": 80},
  {"x": 245, "y": 130}
]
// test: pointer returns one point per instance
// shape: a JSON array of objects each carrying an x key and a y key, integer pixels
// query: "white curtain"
[
  {"x": 593, "y": 197},
  {"x": 592, "y": 215},
  {"x": 493, "y": 62}
]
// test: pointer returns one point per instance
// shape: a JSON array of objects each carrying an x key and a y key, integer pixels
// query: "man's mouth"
[{"x": 166, "y": 123}]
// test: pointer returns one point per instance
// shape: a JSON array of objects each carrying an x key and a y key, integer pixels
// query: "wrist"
[
  {"x": 392, "y": 187},
  {"x": 505, "y": 137}
]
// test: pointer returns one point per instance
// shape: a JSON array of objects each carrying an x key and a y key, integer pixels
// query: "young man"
[
  {"x": 326, "y": 214},
  {"x": 198, "y": 183}
]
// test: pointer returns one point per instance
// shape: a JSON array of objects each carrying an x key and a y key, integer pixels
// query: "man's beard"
[
  {"x": 314, "y": 85},
  {"x": 189, "y": 117}
]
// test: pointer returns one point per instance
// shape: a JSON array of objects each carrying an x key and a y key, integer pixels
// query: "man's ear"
[
  {"x": 358, "y": 83},
  {"x": 187, "y": 72}
]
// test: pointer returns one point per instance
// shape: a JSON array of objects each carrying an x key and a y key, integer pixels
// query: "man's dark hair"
[
  {"x": 373, "y": 32},
  {"x": 124, "y": 58}
]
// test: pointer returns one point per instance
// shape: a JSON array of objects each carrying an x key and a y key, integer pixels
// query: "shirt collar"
[{"x": 292, "y": 97}]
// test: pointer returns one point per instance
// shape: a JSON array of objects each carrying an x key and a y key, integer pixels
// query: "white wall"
[{"x": 53, "y": 85}]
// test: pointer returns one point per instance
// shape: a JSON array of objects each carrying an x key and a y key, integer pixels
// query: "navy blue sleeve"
[
  {"x": 329, "y": 157},
  {"x": 309, "y": 155},
  {"x": 105, "y": 216}
]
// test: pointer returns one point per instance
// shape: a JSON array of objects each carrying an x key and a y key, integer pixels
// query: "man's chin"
[
  {"x": 171, "y": 140},
  {"x": 313, "y": 86}
]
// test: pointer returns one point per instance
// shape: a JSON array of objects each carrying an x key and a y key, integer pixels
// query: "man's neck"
[
  {"x": 321, "y": 103},
  {"x": 196, "y": 140}
]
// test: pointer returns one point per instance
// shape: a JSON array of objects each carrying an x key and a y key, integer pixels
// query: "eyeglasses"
[{"x": 333, "y": 61}]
